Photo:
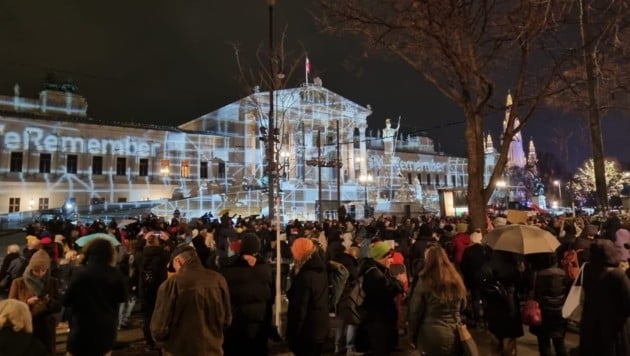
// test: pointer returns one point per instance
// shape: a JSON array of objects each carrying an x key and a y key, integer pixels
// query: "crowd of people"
[{"x": 208, "y": 287}]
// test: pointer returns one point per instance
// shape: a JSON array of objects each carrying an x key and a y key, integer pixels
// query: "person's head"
[
  {"x": 603, "y": 252},
  {"x": 14, "y": 248},
  {"x": 99, "y": 252},
  {"x": 38, "y": 265},
  {"x": 354, "y": 252},
  {"x": 16, "y": 315},
  {"x": 382, "y": 253},
  {"x": 590, "y": 231},
  {"x": 181, "y": 256},
  {"x": 32, "y": 242},
  {"x": 440, "y": 276},
  {"x": 302, "y": 249},
  {"x": 250, "y": 244}
]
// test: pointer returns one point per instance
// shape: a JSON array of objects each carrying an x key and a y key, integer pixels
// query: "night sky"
[{"x": 168, "y": 62}]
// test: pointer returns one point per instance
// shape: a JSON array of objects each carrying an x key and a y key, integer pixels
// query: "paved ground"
[{"x": 130, "y": 343}]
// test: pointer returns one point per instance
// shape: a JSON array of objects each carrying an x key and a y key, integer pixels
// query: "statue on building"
[
  {"x": 16, "y": 89},
  {"x": 388, "y": 132},
  {"x": 516, "y": 154}
]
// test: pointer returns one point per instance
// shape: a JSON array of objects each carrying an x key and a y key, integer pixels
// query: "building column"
[{"x": 363, "y": 151}]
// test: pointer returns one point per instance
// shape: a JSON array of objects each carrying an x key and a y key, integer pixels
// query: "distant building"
[{"x": 52, "y": 150}]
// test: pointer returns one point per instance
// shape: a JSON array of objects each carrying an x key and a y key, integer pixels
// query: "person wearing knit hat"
[
  {"x": 251, "y": 284},
  {"x": 307, "y": 315},
  {"x": 381, "y": 290},
  {"x": 41, "y": 292}
]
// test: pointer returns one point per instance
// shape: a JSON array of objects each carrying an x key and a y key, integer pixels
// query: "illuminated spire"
[
  {"x": 532, "y": 159},
  {"x": 508, "y": 100},
  {"x": 489, "y": 144}
]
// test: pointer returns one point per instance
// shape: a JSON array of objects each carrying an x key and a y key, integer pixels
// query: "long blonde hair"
[
  {"x": 15, "y": 314},
  {"x": 440, "y": 277}
]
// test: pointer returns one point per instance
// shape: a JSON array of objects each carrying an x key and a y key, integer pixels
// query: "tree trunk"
[
  {"x": 594, "y": 120},
  {"x": 476, "y": 164}
]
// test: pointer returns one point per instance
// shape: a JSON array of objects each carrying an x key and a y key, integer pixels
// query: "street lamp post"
[
  {"x": 365, "y": 180},
  {"x": 559, "y": 185}
]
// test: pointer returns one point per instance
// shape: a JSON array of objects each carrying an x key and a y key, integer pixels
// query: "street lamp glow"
[
  {"x": 559, "y": 185},
  {"x": 501, "y": 184}
]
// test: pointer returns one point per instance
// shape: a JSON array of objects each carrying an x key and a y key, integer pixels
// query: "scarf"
[{"x": 37, "y": 285}]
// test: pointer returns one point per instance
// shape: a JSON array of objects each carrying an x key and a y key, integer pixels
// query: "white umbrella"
[
  {"x": 98, "y": 235},
  {"x": 523, "y": 239}
]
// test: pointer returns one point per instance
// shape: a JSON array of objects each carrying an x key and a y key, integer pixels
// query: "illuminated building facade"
[{"x": 52, "y": 150}]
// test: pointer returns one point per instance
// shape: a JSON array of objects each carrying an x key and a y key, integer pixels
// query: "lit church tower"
[
  {"x": 489, "y": 144},
  {"x": 516, "y": 154}
]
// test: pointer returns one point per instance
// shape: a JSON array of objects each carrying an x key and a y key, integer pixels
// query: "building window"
[
  {"x": 121, "y": 166},
  {"x": 122, "y": 200},
  {"x": 203, "y": 170},
  {"x": 461, "y": 181},
  {"x": 16, "y": 162},
  {"x": 44, "y": 162},
  {"x": 43, "y": 203},
  {"x": 72, "y": 163},
  {"x": 143, "y": 167},
  {"x": 409, "y": 178},
  {"x": 445, "y": 180},
  {"x": 165, "y": 169},
  {"x": 437, "y": 180},
  {"x": 14, "y": 205},
  {"x": 185, "y": 169},
  {"x": 97, "y": 165},
  {"x": 222, "y": 170},
  {"x": 419, "y": 178},
  {"x": 428, "y": 178},
  {"x": 454, "y": 180}
]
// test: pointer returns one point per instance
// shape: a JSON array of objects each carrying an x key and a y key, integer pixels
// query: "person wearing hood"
[
  {"x": 94, "y": 294},
  {"x": 41, "y": 292},
  {"x": 252, "y": 291},
  {"x": 307, "y": 315},
  {"x": 605, "y": 324}
]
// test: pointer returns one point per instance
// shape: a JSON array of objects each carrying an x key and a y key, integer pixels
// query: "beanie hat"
[
  {"x": 40, "y": 260},
  {"x": 462, "y": 228},
  {"x": 499, "y": 221},
  {"x": 379, "y": 250},
  {"x": 302, "y": 248},
  {"x": 476, "y": 237},
  {"x": 30, "y": 238},
  {"x": 250, "y": 245},
  {"x": 46, "y": 240}
]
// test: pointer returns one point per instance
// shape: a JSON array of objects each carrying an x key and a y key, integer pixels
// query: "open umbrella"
[
  {"x": 98, "y": 235},
  {"x": 127, "y": 222},
  {"x": 523, "y": 239}
]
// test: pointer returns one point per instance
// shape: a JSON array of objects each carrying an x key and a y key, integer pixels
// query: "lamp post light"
[
  {"x": 365, "y": 180},
  {"x": 559, "y": 185}
]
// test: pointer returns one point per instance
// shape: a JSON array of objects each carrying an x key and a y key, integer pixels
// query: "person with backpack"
[
  {"x": 152, "y": 273},
  {"x": 578, "y": 253},
  {"x": 347, "y": 319},
  {"x": 377, "y": 332}
]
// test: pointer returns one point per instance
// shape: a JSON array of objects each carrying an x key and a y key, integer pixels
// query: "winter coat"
[
  {"x": 191, "y": 312},
  {"x": 474, "y": 259},
  {"x": 94, "y": 294},
  {"x": 377, "y": 331},
  {"x": 307, "y": 315},
  {"x": 4, "y": 270},
  {"x": 19, "y": 343},
  {"x": 154, "y": 261},
  {"x": 458, "y": 245},
  {"x": 252, "y": 290},
  {"x": 605, "y": 328},
  {"x": 550, "y": 290},
  {"x": 432, "y": 323},
  {"x": 43, "y": 311},
  {"x": 503, "y": 314},
  {"x": 417, "y": 253}
]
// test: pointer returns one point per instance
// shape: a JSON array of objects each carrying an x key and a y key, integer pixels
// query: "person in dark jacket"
[
  {"x": 94, "y": 294},
  {"x": 424, "y": 240},
  {"x": 605, "y": 324},
  {"x": 346, "y": 321},
  {"x": 251, "y": 286},
  {"x": 500, "y": 291},
  {"x": 307, "y": 315},
  {"x": 475, "y": 258},
  {"x": 16, "y": 330},
  {"x": 377, "y": 332},
  {"x": 40, "y": 291},
  {"x": 13, "y": 252},
  {"x": 550, "y": 286},
  {"x": 152, "y": 273}
]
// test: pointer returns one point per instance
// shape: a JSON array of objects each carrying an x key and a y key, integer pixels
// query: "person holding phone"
[{"x": 40, "y": 291}]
